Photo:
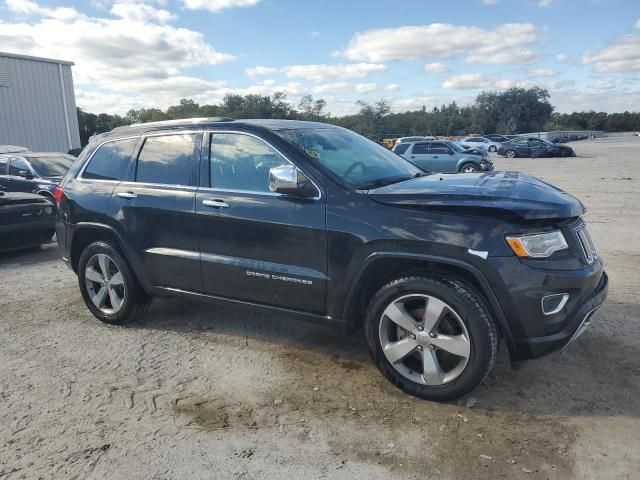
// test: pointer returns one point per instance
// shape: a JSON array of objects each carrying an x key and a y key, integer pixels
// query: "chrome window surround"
[{"x": 208, "y": 133}]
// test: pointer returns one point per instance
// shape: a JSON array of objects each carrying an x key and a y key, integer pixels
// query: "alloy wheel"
[
  {"x": 424, "y": 339},
  {"x": 104, "y": 284},
  {"x": 510, "y": 154},
  {"x": 469, "y": 169}
]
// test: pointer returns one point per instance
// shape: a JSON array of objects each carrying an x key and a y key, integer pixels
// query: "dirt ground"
[{"x": 199, "y": 391}]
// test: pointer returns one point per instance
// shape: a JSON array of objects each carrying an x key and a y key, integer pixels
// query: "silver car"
[
  {"x": 443, "y": 156},
  {"x": 480, "y": 142}
]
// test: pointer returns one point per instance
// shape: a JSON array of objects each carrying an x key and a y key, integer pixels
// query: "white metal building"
[{"x": 37, "y": 103}]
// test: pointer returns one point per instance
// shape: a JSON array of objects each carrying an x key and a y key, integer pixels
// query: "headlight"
[{"x": 540, "y": 245}]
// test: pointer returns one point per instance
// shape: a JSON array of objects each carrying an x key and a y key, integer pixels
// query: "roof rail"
[{"x": 179, "y": 121}]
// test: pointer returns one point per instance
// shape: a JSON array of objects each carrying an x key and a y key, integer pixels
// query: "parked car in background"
[
  {"x": 33, "y": 172},
  {"x": 12, "y": 149},
  {"x": 313, "y": 219},
  {"x": 534, "y": 147},
  {"x": 443, "y": 156},
  {"x": 416, "y": 138},
  {"x": 26, "y": 220},
  {"x": 480, "y": 142},
  {"x": 74, "y": 152},
  {"x": 494, "y": 137}
]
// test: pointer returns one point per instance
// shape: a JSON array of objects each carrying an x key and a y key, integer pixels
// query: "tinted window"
[
  {"x": 167, "y": 159},
  {"x": 111, "y": 160},
  {"x": 52, "y": 166},
  {"x": 401, "y": 148},
  {"x": 3, "y": 166},
  {"x": 17, "y": 165},
  {"x": 420, "y": 148},
  {"x": 242, "y": 162},
  {"x": 441, "y": 148},
  {"x": 520, "y": 141}
]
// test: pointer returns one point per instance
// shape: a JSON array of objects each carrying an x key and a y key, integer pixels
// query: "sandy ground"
[{"x": 198, "y": 391}]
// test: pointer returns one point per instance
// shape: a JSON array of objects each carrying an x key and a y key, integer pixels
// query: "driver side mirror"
[
  {"x": 288, "y": 180},
  {"x": 25, "y": 174}
]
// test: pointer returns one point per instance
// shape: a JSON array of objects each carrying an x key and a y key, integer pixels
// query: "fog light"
[{"x": 552, "y": 304}]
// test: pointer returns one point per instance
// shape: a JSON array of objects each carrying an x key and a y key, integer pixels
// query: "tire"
[
  {"x": 471, "y": 317},
  {"x": 510, "y": 154},
  {"x": 493, "y": 148},
  {"x": 469, "y": 168},
  {"x": 134, "y": 301}
]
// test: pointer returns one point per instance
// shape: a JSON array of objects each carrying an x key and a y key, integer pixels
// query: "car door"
[
  {"x": 537, "y": 148},
  {"x": 16, "y": 182},
  {"x": 258, "y": 246},
  {"x": 420, "y": 156},
  {"x": 442, "y": 158},
  {"x": 521, "y": 145},
  {"x": 155, "y": 209}
]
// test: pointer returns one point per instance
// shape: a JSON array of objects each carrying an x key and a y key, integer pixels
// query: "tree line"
[{"x": 512, "y": 111}]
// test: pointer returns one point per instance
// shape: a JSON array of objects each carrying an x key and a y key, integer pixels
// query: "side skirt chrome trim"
[{"x": 205, "y": 296}]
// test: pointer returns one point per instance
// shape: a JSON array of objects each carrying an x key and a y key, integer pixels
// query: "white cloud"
[
  {"x": 637, "y": 25},
  {"x": 435, "y": 67},
  {"x": 334, "y": 87},
  {"x": 544, "y": 3},
  {"x": 141, "y": 12},
  {"x": 623, "y": 56},
  {"x": 366, "y": 87},
  {"x": 217, "y": 5},
  {"x": 321, "y": 73},
  {"x": 504, "y": 44},
  {"x": 467, "y": 81},
  {"x": 602, "y": 84},
  {"x": 542, "y": 72},
  {"x": 563, "y": 58},
  {"x": 255, "y": 71},
  {"x": 392, "y": 87}
]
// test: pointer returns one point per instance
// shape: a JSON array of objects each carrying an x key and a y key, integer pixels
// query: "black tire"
[
  {"x": 493, "y": 148},
  {"x": 471, "y": 309},
  {"x": 136, "y": 301},
  {"x": 472, "y": 167},
  {"x": 510, "y": 154}
]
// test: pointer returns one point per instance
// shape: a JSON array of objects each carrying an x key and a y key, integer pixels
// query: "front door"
[
  {"x": 258, "y": 246},
  {"x": 155, "y": 210},
  {"x": 442, "y": 158},
  {"x": 16, "y": 182}
]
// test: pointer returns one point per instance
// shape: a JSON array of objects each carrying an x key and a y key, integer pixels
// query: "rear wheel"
[
  {"x": 469, "y": 168},
  {"x": 510, "y": 154},
  {"x": 493, "y": 148},
  {"x": 432, "y": 337},
  {"x": 108, "y": 286}
]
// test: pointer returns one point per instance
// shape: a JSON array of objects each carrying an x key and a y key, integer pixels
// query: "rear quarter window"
[
  {"x": 401, "y": 148},
  {"x": 111, "y": 160}
]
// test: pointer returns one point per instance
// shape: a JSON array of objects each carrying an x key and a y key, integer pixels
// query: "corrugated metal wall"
[{"x": 32, "y": 105}]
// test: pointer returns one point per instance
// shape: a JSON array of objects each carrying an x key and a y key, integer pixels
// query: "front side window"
[
  {"x": 242, "y": 162},
  {"x": 18, "y": 165},
  {"x": 167, "y": 160},
  {"x": 439, "y": 148},
  {"x": 355, "y": 160},
  {"x": 110, "y": 161}
]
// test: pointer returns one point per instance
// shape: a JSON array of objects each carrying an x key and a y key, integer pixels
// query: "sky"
[{"x": 415, "y": 53}]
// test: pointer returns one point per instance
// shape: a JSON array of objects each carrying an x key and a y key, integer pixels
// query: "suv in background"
[
  {"x": 313, "y": 219},
  {"x": 443, "y": 156},
  {"x": 31, "y": 172}
]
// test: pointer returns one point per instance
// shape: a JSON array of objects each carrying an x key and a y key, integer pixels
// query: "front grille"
[{"x": 588, "y": 248}]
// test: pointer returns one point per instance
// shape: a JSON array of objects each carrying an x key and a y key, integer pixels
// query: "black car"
[
  {"x": 33, "y": 172},
  {"x": 313, "y": 219},
  {"x": 26, "y": 220},
  {"x": 534, "y": 147}
]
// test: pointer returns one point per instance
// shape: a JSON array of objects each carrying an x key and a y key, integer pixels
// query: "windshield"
[
  {"x": 456, "y": 147},
  {"x": 359, "y": 162},
  {"x": 51, "y": 166}
]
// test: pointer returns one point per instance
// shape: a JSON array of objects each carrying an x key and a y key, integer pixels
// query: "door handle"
[
  {"x": 413, "y": 156},
  {"x": 436, "y": 156},
  {"x": 215, "y": 203},
  {"x": 127, "y": 195}
]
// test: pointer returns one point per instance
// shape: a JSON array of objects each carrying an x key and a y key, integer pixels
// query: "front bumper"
[
  {"x": 574, "y": 325},
  {"x": 486, "y": 166}
]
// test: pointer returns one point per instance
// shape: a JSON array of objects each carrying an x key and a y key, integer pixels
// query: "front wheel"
[
  {"x": 493, "y": 148},
  {"x": 433, "y": 337},
  {"x": 469, "y": 168},
  {"x": 108, "y": 285}
]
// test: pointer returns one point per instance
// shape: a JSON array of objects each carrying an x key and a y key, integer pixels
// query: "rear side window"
[
  {"x": 401, "y": 148},
  {"x": 110, "y": 161},
  {"x": 420, "y": 148},
  {"x": 167, "y": 159}
]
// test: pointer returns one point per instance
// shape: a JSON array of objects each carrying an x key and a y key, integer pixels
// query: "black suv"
[{"x": 314, "y": 219}]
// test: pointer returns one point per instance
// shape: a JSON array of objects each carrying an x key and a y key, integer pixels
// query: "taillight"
[{"x": 57, "y": 195}]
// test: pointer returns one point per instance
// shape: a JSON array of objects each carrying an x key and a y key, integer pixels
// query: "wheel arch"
[{"x": 381, "y": 267}]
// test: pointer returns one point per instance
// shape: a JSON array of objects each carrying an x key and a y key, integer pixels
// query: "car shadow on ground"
[
  {"x": 31, "y": 256},
  {"x": 595, "y": 376}
]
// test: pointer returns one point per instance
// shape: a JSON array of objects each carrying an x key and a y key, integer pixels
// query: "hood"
[
  {"x": 510, "y": 192},
  {"x": 16, "y": 198}
]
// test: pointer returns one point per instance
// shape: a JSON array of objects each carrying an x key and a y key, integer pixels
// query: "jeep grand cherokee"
[{"x": 314, "y": 219}]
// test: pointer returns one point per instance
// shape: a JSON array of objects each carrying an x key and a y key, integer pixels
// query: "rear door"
[
  {"x": 258, "y": 246},
  {"x": 155, "y": 212},
  {"x": 420, "y": 156}
]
